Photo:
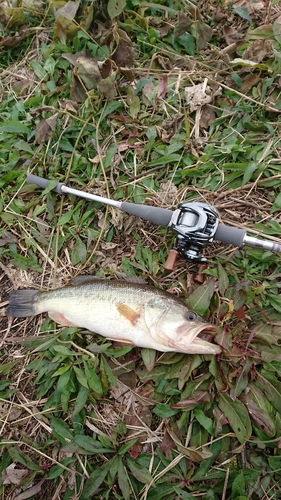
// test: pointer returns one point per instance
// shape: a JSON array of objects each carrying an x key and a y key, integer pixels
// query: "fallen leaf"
[
  {"x": 124, "y": 54},
  {"x": 183, "y": 24},
  {"x": 207, "y": 117},
  {"x": 258, "y": 51},
  {"x": 11, "y": 475},
  {"x": 11, "y": 41},
  {"x": 68, "y": 10},
  {"x": 149, "y": 92},
  {"x": 64, "y": 26},
  {"x": 30, "y": 492},
  {"x": 170, "y": 127},
  {"x": 249, "y": 82},
  {"x": 77, "y": 91},
  {"x": 250, "y": 5},
  {"x": 7, "y": 238},
  {"x": 162, "y": 87},
  {"x": 11, "y": 16},
  {"x": 87, "y": 70},
  {"x": 231, "y": 34},
  {"x": 197, "y": 96},
  {"x": 45, "y": 128},
  {"x": 107, "y": 86}
]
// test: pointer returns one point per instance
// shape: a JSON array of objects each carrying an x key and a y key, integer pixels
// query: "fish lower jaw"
[{"x": 197, "y": 346}]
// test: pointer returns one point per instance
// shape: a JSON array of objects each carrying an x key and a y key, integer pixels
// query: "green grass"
[{"x": 79, "y": 414}]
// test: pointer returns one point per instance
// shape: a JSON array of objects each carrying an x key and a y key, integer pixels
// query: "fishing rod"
[{"x": 195, "y": 224}]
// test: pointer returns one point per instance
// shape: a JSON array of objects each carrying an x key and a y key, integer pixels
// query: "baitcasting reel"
[{"x": 195, "y": 225}]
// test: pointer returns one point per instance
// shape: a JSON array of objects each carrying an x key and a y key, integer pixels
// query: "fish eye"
[{"x": 191, "y": 316}]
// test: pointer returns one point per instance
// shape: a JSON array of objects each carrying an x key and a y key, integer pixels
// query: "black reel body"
[{"x": 195, "y": 225}]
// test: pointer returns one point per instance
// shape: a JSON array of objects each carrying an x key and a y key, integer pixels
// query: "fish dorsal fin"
[
  {"x": 131, "y": 279},
  {"x": 83, "y": 280}
]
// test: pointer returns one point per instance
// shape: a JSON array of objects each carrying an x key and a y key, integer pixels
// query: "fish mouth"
[
  {"x": 201, "y": 335},
  {"x": 207, "y": 333},
  {"x": 204, "y": 337}
]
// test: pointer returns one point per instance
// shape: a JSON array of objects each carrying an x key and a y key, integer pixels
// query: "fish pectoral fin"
[
  {"x": 128, "y": 312},
  {"x": 60, "y": 319}
]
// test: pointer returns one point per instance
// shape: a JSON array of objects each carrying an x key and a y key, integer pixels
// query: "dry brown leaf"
[
  {"x": 170, "y": 127},
  {"x": 124, "y": 55},
  {"x": 183, "y": 24},
  {"x": 149, "y": 92},
  {"x": 258, "y": 51},
  {"x": 11, "y": 475},
  {"x": 251, "y": 5},
  {"x": 107, "y": 86},
  {"x": 68, "y": 10},
  {"x": 207, "y": 117},
  {"x": 77, "y": 91},
  {"x": 11, "y": 41},
  {"x": 249, "y": 81},
  {"x": 197, "y": 96},
  {"x": 45, "y": 128},
  {"x": 7, "y": 237},
  {"x": 231, "y": 35},
  {"x": 87, "y": 70}
]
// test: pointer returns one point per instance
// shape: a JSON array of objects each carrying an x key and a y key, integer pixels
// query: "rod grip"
[
  {"x": 42, "y": 183},
  {"x": 230, "y": 235},
  {"x": 160, "y": 216}
]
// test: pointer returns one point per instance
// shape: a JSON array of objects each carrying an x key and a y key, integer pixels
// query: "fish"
[{"x": 132, "y": 313}]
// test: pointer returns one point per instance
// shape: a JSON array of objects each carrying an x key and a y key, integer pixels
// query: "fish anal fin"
[
  {"x": 128, "y": 312},
  {"x": 60, "y": 319},
  {"x": 121, "y": 341}
]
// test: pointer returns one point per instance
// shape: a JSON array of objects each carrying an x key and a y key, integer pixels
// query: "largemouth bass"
[{"x": 133, "y": 313}]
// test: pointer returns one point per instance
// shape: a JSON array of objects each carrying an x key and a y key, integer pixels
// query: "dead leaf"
[
  {"x": 30, "y": 492},
  {"x": 45, "y": 128},
  {"x": 11, "y": 41},
  {"x": 105, "y": 68},
  {"x": 162, "y": 87},
  {"x": 87, "y": 70},
  {"x": 149, "y": 92},
  {"x": 32, "y": 5},
  {"x": 77, "y": 91},
  {"x": 202, "y": 34},
  {"x": 64, "y": 26},
  {"x": 170, "y": 127},
  {"x": 68, "y": 10},
  {"x": 193, "y": 24},
  {"x": 249, "y": 82},
  {"x": 207, "y": 117},
  {"x": 87, "y": 19},
  {"x": 231, "y": 35},
  {"x": 197, "y": 96},
  {"x": 12, "y": 16},
  {"x": 250, "y": 5},
  {"x": 11, "y": 475},
  {"x": 107, "y": 86},
  {"x": 124, "y": 55},
  {"x": 69, "y": 105},
  {"x": 7, "y": 238},
  {"x": 183, "y": 24},
  {"x": 258, "y": 51}
]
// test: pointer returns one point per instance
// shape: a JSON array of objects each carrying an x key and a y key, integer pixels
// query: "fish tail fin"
[{"x": 22, "y": 303}]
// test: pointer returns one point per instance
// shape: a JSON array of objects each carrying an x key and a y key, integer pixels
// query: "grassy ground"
[{"x": 101, "y": 95}]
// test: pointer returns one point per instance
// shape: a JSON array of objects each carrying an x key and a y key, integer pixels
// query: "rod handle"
[
  {"x": 230, "y": 235},
  {"x": 160, "y": 216},
  {"x": 42, "y": 183}
]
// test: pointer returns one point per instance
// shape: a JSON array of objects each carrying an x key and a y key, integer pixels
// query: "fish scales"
[{"x": 129, "y": 312}]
